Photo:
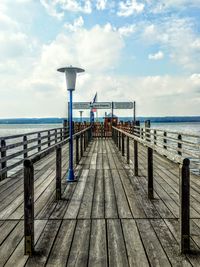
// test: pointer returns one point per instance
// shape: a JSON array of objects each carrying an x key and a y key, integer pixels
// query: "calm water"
[{"x": 13, "y": 129}]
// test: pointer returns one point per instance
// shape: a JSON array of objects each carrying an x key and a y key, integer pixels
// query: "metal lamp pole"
[
  {"x": 81, "y": 113},
  {"x": 70, "y": 73}
]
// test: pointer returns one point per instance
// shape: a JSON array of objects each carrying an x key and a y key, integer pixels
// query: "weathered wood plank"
[{"x": 98, "y": 246}]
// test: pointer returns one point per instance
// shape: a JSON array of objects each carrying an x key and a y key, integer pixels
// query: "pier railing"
[
  {"x": 184, "y": 144},
  {"x": 82, "y": 140},
  {"x": 122, "y": 140},
  {"x": 15, "y": 148}
]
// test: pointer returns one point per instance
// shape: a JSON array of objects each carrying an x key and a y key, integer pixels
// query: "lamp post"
[
  {"x": 81, "y": 115},
  {"x": 70, "y": 73}
]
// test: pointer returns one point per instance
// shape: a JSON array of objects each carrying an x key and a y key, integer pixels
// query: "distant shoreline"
[{"x": 170, "y": 119}]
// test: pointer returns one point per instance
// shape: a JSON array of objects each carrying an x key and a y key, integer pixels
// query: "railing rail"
[
  {"x": 84, "y": 135},
  {"x": 14, "y": 149},
  {"x": 176, "y": 142},
  {"x": 118, "y": 136}
]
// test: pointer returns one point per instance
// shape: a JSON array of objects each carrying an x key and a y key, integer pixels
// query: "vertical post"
[
  {"x": 49, "y": 138},
  {"x": 56, "y": 136},
  {"x": 165, "y": 140},
  {"x": 58, "y": 172},
  {"x": 65, "y": 124},
  {"x": 127, "y": 150},
  {"x": 25, "y": 146},
  {"x": 122, "y": 144},
  {"x": 134, "y": 111},
  {"x": 71, "y": 171},
  {"x": 39, "y": 142},
  {"x": 84, "y": 139},
  {"x": 155, "y": 137},
  {"x": 185, "y": 206},
  {"x": 3, "y": 155},
  {"x": 119, "y": 141},
  {"x": 81, "y": 145},
  {"x": 180, "y": 144},
  {"x": 135, "y": 158},
  {"x": 147, "y": 130},
  {"x": 150, "y": 172},
  {"x": 28, "y": 208},
  {"x": 61, "y": 134}
]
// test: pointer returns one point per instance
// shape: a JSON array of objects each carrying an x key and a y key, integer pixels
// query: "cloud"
[
  {"x": 127, "y": 30},
  {"x": 57, "y": 8},
  {"x": 101, "y": 4},
  {"x": 129, "y": 7},
  {"x": 77, "y": 24},
  {"x": 157, "y": 56},
  {"x": 178, "y": 37}
]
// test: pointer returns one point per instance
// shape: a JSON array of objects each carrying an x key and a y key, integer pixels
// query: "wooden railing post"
[
  {"x": 119, "y": 141},
  {"x": 135, "y": 158},
  {"x": 25, "y": 146},
  {"x": 150, "y": 172},
  {"x": 61, "y": 138},
  {"x": 127, "y": 150},
  {"x": 49, "y": 139},
  {"x": 56, "y": 136},
  {"x": 65, "y": 124},
  {"x": 180, "y": 144},
  {"x": 3, "y": 155},
  {"x": 58, "y": 172},
  {"x": 155, "y": 137},
  {"x": 122, "y": 144},
  {"x": 81, "y": 144},
  {"x": 77, "y": 149},
  {"x": 165, "y": 140},
  {"x": 147, "y": 130},
  {"x": 28, "y": 208},
  {"x": 84, "y": 141},
  {"x": 185, "y": 206},
  {"x": 39, "y": 142}
]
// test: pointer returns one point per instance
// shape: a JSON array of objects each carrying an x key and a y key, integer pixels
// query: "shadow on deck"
[{"x": 105, "y": 219}]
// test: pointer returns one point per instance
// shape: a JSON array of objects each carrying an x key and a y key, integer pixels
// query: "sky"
[{"x": 146, "y": 51}]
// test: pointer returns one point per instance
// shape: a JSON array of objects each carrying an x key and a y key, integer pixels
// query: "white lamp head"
[{"x": 70, "y": 73}]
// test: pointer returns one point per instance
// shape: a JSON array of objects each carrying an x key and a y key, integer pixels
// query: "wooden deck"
[{"x": 105, "y": 219}]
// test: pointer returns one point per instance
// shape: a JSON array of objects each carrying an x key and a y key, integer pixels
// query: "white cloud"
[
  {"x": 127, "y": 30},
  {"x": 56, "y": 8},
  {"x": 101, "y": 4},
  {"x": 177, "y": 36},
  {"x": 129, "y": 7},
  {"x": 157, "y": 56},
  {"x": 77, "y": 24}
]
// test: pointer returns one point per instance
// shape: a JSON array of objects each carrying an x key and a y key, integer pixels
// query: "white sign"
[
  {"x": 122, "y": 105},
  {"x": 81, "y": 105},
  {"x": 101, "y": 105}
]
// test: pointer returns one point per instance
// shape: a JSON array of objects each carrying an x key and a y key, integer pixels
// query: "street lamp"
[
  {"x": 81, "y": 115},
  {"x": 70, "y": 73}
]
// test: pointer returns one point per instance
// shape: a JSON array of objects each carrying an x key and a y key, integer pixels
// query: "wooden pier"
[{"x": 107, "y": 217}]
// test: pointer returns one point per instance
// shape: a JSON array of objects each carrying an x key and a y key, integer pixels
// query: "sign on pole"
[
  {"x": 81, "y": 105},
  {"x": 101, "y": 105},
  {"x": 122, "y": 105}
]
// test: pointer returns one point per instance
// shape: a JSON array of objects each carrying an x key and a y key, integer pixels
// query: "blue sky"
[{"x": 143, "y": 50}]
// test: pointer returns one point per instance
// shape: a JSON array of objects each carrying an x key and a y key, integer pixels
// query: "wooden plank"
[
  {"x": 169, "y": 244},
  {"x": 74, "y": 205},
  {"x": 18, "y": 258},
  {"x": 9, "y": 245},
  {"x": 122, "y": 203},
  {"x": 154, "y": 250},
  {"x": 116, "y": 246},
  {"x": 136, "y": 253},
  {"x": 98, "y": 199},
  {"x": 5, "y": 228},
  {"x": 86, "y": 203},
  {"x": 110, "y": 199},
  {"x": 62, "y": 244},
  {"x": 98, "y": 246},
  {"x": 79, "y": 250},
  {"x": 44, "y": 244}
]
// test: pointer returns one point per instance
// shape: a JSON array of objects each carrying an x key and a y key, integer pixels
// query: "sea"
[{"x": 14, "y": 129}]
